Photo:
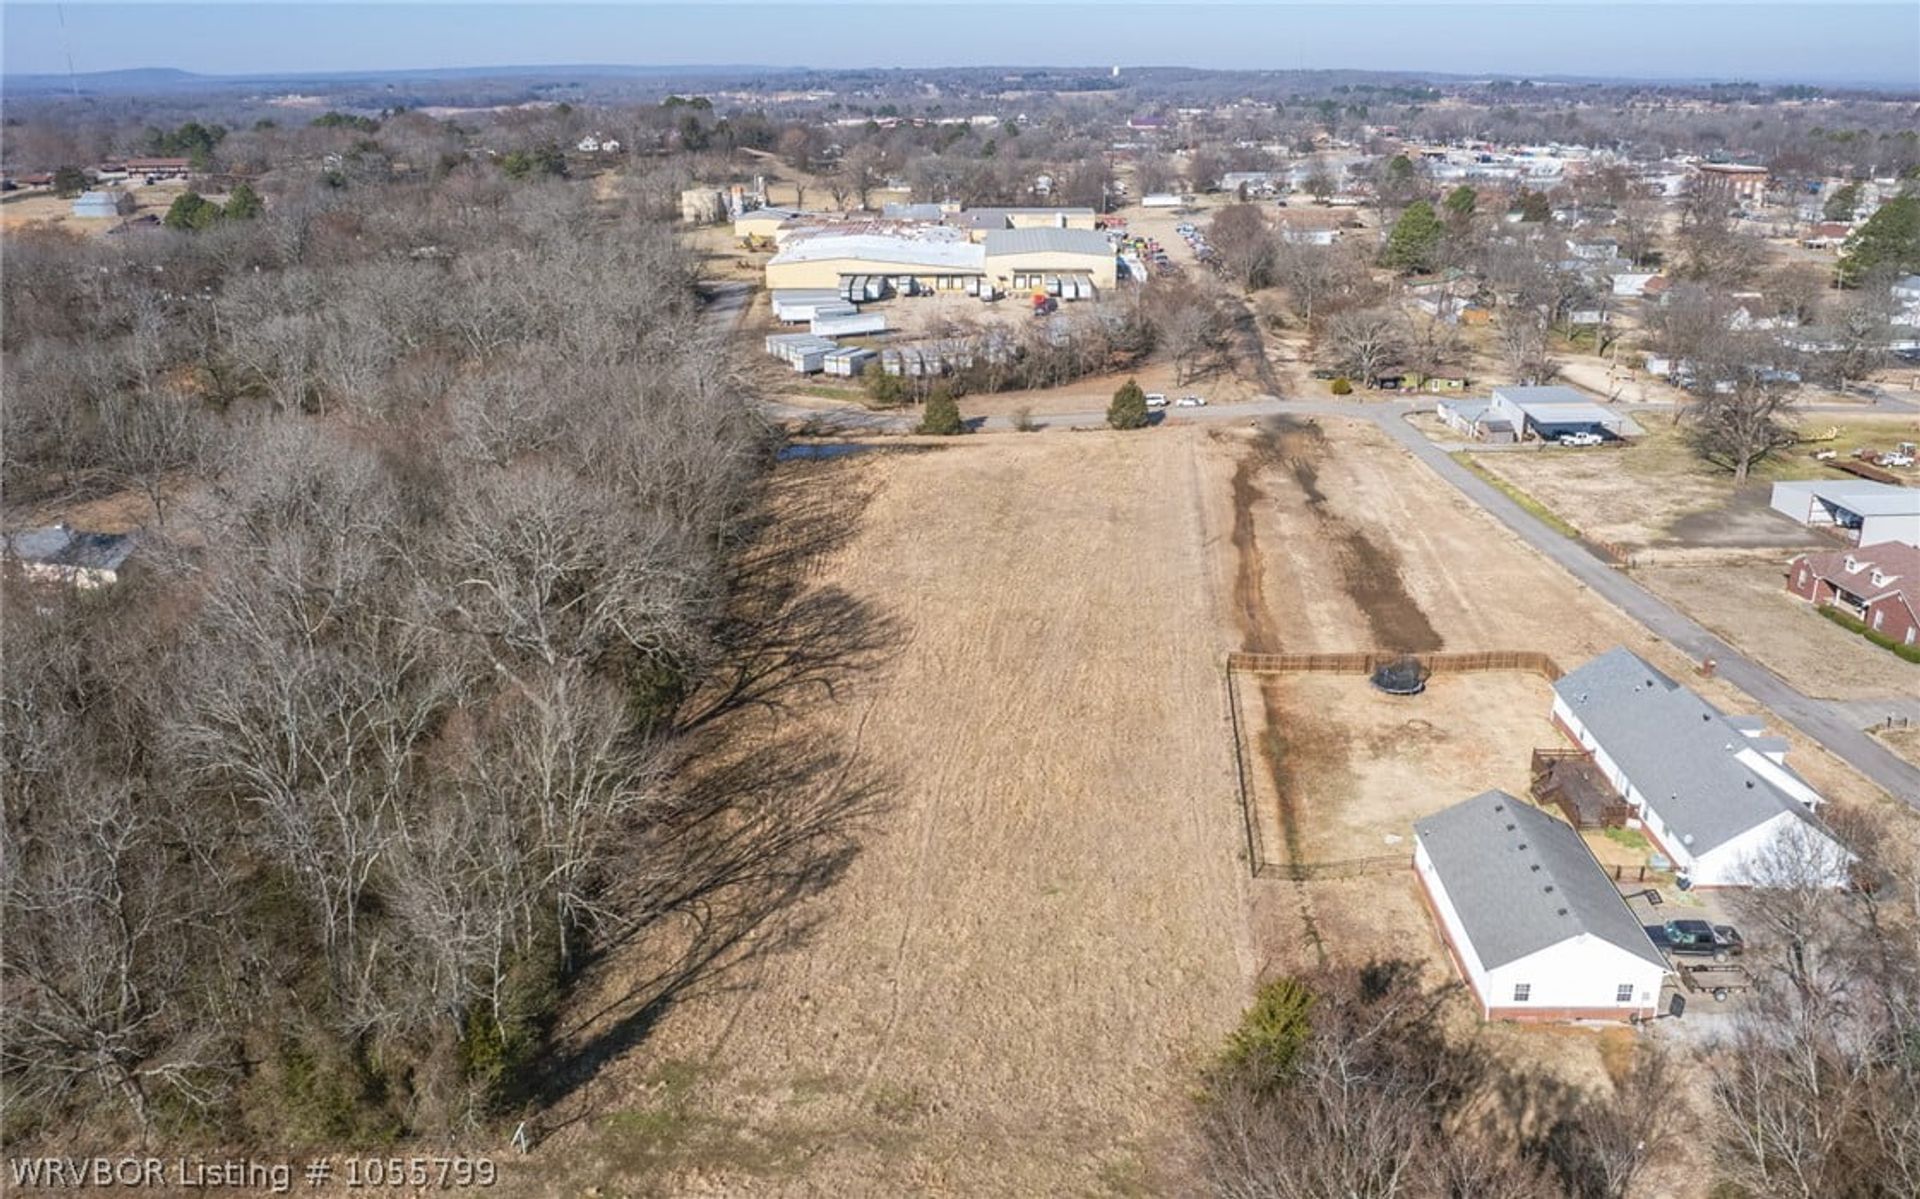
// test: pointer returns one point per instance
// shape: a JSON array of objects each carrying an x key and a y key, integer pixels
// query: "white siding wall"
[
  {"x": 1580, "y": 972},
  {"x": 1777, "y": 853},
  {"x": 1450, "y": 919}
]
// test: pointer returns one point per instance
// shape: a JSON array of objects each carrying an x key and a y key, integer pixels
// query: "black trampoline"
[{"x": 1402, "y": 676}]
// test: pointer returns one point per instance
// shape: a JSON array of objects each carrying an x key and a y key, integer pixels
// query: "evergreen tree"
[
  {"x": 192, "y": 211},
  {"x": 1461, "y": 202},
  {"x": 1129, "y": 407},
  {"x": 69, "y": 181},
  {"x": 942, "y": 417},
  {"x": 243, "y": 203},
  {"x": 1414, "y": 243},
  {"x": 1841, "y": 204},
  {"x": 1534, "y": 207},
  {"x": 1889, "y": 243}
]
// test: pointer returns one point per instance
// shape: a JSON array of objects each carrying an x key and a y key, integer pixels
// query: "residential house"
[
  {"x": 1633, "y": 283},
  {"x": 1713, "y": 792},
  {"x": 1533, "y": 923},
  {"x": 1876, "y": 584},
  {"x": 59, "y": 554}
]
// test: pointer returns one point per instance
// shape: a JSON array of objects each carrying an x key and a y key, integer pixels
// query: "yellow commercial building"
[
  {"x": 1072, "y": 263},
  {"x": 824, "y": 261},
  {"x": 978, "y": 222},
  {"x": 760, "y": 224}
]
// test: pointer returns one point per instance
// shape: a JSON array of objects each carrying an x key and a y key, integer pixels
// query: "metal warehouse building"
[{"x": 1070, "y": 263}]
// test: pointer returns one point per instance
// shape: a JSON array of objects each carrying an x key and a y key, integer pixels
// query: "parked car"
[
  {"x": 1580, "y": 439},
  {"x": 1156, "y": 399},
  {"x": 1190, "y": 402},
  {"x": 1698, "y": 939}
]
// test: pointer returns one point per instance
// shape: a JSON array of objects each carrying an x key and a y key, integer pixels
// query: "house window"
[
  {"x": 1521, "y": 991},
  {"x": 1909, "y": 634},
  {"x": 1623, "y": 993},
  {"x": 1877, "y": 614}
]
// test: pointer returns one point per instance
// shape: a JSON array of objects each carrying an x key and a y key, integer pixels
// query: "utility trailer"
[{"x": 1718, "y": 980}]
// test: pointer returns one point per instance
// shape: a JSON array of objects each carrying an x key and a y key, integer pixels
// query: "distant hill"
[{"x": 166, "y": 79}]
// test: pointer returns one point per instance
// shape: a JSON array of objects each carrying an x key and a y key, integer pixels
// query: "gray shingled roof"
[
  {"x": 1676, "y": 748},
  {"x": 1047, "y": 241},
  {"x": 58, "y": 545},
  {"x": 1522, "y": 881}
]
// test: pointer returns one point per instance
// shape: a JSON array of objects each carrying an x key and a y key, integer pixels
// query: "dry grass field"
[
  {"x": 1038, "y": 920},
  {"x": 1366, "y": 765},
  {"x": 45, "y": 210},
  {"x": 1043, "y": 929},
  {"x": 1748, "y": 604}
]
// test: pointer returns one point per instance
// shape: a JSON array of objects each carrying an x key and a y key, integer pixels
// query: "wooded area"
[{"x": 312, "y": 818}]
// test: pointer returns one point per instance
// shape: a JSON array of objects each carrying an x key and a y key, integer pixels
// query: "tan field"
[
  {"x": 1748, "y": 604},
  {"x": 1004, "y": 975},
  {"x": 1043, "y": 931}
]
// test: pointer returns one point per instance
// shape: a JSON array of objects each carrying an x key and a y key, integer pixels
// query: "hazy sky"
[{"x": 1875, "y": 42}]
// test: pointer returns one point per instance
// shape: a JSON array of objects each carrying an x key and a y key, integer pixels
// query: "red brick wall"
[
  {"x": 1895, "y": 619},
  {"x": 1807, "y": 590},
  {"x": 1530, "y": 1015}
]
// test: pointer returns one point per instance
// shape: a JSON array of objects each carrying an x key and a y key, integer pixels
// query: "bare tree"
[
  {"x": 1741, "y": 408},
  {"x": 1189, "y": 325},
  {"x": 1245, "y": 245},
  {"x": 1364, "y": 343}
]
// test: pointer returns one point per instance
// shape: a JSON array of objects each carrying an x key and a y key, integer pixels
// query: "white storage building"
[{"x": 1871, "y": 512}]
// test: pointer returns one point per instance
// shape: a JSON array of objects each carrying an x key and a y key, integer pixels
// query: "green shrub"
[
  {"x": 1910, "y": 653},
  {"x": 500, "y": 1043},
  {"x": 1129, "y": 407},
  {"x": 1341, "y": 387},
  {"x": 884, "y": 390}
]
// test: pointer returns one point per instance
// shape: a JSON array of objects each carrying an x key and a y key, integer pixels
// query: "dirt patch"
[
  {"x": 1369, "y": 569},
  {"x": 1363, "y": 766},
  {"x": 1744, "y": 520}
]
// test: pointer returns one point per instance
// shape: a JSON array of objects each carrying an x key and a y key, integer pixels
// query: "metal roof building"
[{"x": 1873, "y": 512}]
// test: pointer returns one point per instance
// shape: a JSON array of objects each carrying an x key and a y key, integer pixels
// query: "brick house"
[{"x": 1876, "y": 584}]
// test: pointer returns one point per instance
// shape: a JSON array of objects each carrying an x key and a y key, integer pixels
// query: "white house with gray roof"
[
  {"x": 1713, "y": 791},
  {"x": 1533, "y": 922}
]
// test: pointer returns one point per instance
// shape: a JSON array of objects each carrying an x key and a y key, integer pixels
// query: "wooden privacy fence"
[{"x": 1366, "y": 663}]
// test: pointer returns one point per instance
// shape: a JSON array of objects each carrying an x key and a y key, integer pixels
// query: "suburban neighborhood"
[{"x": 1338, "y": 615}]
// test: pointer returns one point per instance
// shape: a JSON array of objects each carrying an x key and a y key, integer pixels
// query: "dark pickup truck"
[{"x": 1697, "y": 939}]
